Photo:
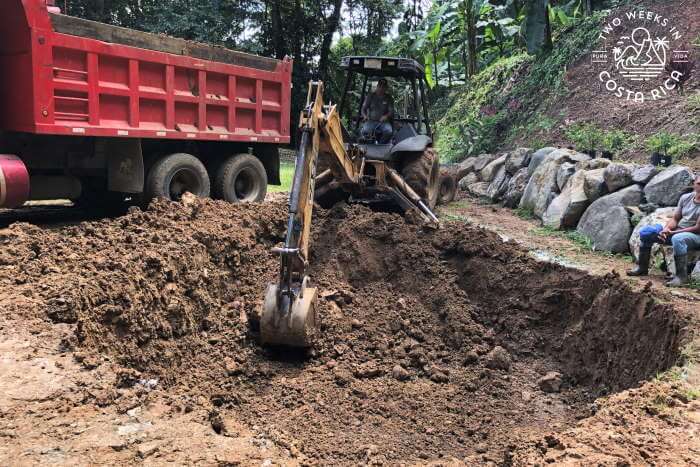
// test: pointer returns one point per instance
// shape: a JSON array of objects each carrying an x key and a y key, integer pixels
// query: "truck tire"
[
  {"x": 241, "y": 179},
  {"x": 422, "y": 173},
  {"x": 174, "y": 175}
]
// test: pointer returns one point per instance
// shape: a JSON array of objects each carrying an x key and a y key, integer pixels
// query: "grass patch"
[
  {"x": 286, "y": 176},
  {"x": 524, "y": 213},
  {"x": 575, "y": 237}
]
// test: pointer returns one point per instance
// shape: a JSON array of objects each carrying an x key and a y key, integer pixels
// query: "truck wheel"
[
  {"x": 422, "y": 173},
  {"x": 174, "y": 175},
  {"x": 241, "y": 179}
]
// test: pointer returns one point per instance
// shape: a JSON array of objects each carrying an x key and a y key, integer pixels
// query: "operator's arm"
[
  {"x": 365, "y": 108},
  {"x": 389, "y": 114}
]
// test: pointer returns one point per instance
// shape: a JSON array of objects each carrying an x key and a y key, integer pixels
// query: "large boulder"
[
  {"x": 542, "y": 187},
  {"x": 566, "y": 209},
  {"x": 594, "y": 184},
  {"x": 515, "y": 188},
  {"x": 566, "y": 170},
  {"x": 483, "y": 160},
  {"x": 666, "y": 188},
  {"x": 618, "y": 176},
  {"x": 537, "y": 158},
  {"x": 489, "y": 172},
  {"x": 468, "y": 180},
  {"x": 606, "y": 221},
  {"x": 472, "y": 164},
  {"x": 479, "y": 189},
  {"x": 644, "y": 173},
  {"x": 498, "y": 186},
  {"x": 660, "y": 216},
  {"x": 518, "y": 159}
]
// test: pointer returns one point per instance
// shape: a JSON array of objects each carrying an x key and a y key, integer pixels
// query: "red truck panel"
[{"x": 55, "y": 83}]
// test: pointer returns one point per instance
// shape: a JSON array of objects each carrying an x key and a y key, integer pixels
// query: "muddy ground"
[{"x": 135, "y": 335}]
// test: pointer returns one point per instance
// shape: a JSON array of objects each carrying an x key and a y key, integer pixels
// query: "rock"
[
  {"x": 498, "y": 359},
  {"x": 146, "y": 449},
  {"x": 232, "y": 367},
  {"x": 469, "y": 179},
  {"x": 537, "y": 158},
  {"x": 438, "y": 375},
  {"x": 607, "y": 223},
  {"x": 695, "y": 275},
  {"x": 489, "y": 172},
  {"x": 464, "y": 168},
  {"x": 594, "y": 185},
  {"x": 644, "y": 173},
  {"x": 356, "y": 323},
  {"x": 515, "y": 188},
  {"x": 498, "y": 186},
  {"x": 400, "y": 373},
  {"x": 566, "y": 209},
  {"x": 471, "y": 358},
  {"x": 660, "y": 216},
  {"x": 542, "y": 187},
  {"x": 367, "y": 370},
  {"x": 617, "y": 176},
  {"x": 482, "y": 161},
  {"x": 565, "y": 172},
  {"x": 551, "y": 382},
  {"x": 666, "y": 188},
  {"x": 518, "y": 159},
  {"x": 479, "y": 189},
  {"x": 593, "y": 164}
]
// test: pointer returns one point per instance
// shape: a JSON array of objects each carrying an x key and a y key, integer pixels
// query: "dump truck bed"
[{"x": 64, "y": 75}]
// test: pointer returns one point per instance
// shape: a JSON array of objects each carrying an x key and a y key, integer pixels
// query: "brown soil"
[{"x": 432, "y": 342}]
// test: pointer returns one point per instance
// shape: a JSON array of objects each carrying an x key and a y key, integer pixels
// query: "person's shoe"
[
  {"x": 642, "y": 268},
  {"x": 681, "y": 277}
]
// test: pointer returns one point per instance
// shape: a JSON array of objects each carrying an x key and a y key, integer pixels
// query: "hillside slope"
[{"x": 537, "y": 101}]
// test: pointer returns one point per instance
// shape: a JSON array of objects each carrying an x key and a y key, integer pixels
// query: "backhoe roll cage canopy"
[{"x": 383, "y": 66}]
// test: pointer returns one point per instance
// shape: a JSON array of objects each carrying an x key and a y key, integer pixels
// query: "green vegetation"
[
  {"x": 585, "y": 136},
  {"x": 524, "y": 213},
  {"x": 504, "y": 97},
  {"x": 673, "y": 144},
  {"x": 286, "y": 176},
  {"x": 581, "y": 240},
  {"x": 616, "y": 140}
]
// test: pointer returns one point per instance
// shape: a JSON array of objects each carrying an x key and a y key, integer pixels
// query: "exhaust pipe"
[{"x": 14, "y": 181}]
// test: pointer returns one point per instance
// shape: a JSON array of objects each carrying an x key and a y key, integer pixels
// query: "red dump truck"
[{"x": 96, "y": 113}]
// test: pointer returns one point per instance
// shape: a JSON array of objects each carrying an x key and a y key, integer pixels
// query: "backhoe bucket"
[{"x": 292, "y": 325}]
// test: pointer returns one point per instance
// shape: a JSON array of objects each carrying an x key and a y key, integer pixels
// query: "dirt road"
[{"x": 129, "y": 340}]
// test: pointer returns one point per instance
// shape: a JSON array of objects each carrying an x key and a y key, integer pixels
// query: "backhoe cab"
[{"x": 334, "y": 164}]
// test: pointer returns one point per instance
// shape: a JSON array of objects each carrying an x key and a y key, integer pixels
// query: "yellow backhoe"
[{"x": 402, "y": 170}]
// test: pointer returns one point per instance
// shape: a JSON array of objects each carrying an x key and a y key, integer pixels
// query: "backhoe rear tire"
[{"x": 422, "y": 173}]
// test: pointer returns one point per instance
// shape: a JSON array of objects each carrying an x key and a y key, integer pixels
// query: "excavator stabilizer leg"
[{"x": 289, "y": 322}]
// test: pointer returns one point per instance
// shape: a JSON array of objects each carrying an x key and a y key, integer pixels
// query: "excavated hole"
[{"x": 405, "y": 367}]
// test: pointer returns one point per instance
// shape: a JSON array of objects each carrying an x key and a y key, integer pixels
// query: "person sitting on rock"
[{"x": 682, "y": 231}]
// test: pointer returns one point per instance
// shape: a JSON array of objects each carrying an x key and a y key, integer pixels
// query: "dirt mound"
[{"x": 432, "y": 343}]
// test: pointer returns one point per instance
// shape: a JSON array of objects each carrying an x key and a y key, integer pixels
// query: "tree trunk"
[
  {"x": 589, "y": 7},
  {"x": 331, "y": 27},
  {"x": 470, "y": 19},
  {"x": 449, "y": 71},
  {"x": 279, "y": 43}
]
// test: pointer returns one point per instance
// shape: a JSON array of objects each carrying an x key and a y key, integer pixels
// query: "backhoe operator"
[{"x": 377, "y": 113}]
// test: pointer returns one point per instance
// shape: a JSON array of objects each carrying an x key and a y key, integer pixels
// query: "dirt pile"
[{"x": 432, "y": 342}]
